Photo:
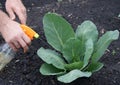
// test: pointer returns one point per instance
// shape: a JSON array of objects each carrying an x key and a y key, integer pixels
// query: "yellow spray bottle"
[{"x": 7, "y": 54}]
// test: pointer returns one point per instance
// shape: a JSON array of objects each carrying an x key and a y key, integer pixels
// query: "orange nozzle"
[{"x": 29, "y": 32}]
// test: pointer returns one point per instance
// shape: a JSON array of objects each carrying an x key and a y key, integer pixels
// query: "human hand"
[
  {"x": 16, "y": 7},
  {"x": 15, "y": 36}
]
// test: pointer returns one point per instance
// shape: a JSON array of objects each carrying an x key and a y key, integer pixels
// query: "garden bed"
[{"x": 24, "y": 69}]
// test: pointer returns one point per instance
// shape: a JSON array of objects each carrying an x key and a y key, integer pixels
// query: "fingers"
[
  {"x": 23, "y": 45},
  {"x": 26, "y": 39},
  {"x": 12, "y": 46},
  {"x": 16, "y": 44},
  {"x": 23, "y": 42},
  {"x": 17, "y": 8},
  {"x": 22, "y": 15},
  {"x": 10, "y": 13}
]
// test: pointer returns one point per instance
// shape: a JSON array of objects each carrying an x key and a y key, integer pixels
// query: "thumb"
[
  {"x": 22, "y": 16},
  {"x": 11, "y": 13}
]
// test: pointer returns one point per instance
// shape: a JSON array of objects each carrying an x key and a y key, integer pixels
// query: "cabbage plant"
[{"x": 75, "y": 54}]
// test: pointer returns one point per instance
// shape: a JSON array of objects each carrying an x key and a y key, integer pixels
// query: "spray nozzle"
[{"x": 29, "y": 32}]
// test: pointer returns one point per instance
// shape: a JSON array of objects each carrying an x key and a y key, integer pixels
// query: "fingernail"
[{"x": 13, "y": 18}]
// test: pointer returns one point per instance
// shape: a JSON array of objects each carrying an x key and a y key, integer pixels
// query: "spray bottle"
[{"x": 7, "y": 54}]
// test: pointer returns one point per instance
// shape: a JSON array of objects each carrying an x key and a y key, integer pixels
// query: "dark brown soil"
[{"x": 24, "y": 68}]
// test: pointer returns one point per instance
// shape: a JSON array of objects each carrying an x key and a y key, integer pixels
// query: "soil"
[{"x": 24, "y": 68}]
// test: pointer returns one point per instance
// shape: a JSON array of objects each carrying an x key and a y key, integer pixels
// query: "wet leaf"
[
  {"x": 103, "y": 43},
  {"x": 48, "y": 69},
  {"x": 72, "y": 50},
  {"x": 51, "y": 57},
  {"x": 73, "y": 75},
  {"x": 57, "y": 30}
]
